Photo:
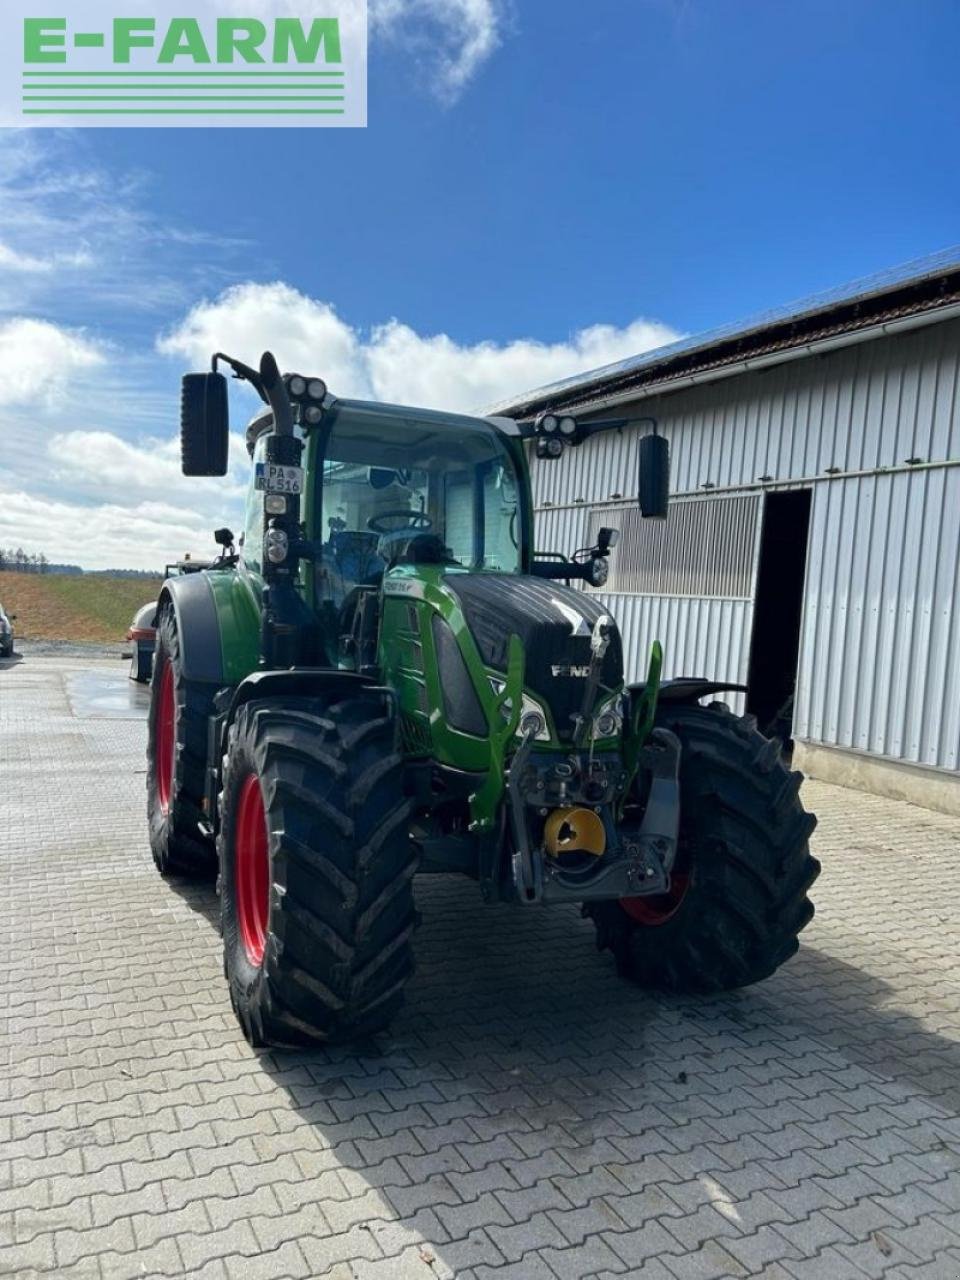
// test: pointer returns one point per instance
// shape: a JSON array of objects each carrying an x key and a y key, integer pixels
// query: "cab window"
[{"x": 398, "y": 491}]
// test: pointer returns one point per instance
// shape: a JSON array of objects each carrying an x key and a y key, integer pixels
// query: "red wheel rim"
[
  {"x": 252, "y": 870},
  {"x": 658, "y": 908},
  {"x": 166, "y": 737}
]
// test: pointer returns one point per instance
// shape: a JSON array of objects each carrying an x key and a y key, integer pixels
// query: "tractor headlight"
[
  {"x": 568, "y": 426},
  {"x": 608, "y": 721},
  {"x": 532, "y": 715},
  {"x": 316, "y": 388},
  {"x": 276, "y": 546},
  {"x": 297, "y": 385},
  {"x": 533, "y": 724},
  {"x": 549, "y": 423},
  {"x": 549, "y": 447},
  {"x": 312, "y": 414},
  {"x": 598, "y": 572}
]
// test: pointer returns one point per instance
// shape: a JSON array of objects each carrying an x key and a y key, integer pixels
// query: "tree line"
[{"x": 17, "y": 560}]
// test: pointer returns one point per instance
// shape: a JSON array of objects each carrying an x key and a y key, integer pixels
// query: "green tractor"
[{"x": 386, "y": 679}]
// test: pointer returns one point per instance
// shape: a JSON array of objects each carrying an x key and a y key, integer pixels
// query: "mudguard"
[
  {"x": 303, "y": 682},
  {"x": 198, "y": 627},
  {"x": 693, "y": 688},
  {"x": 299, "y": 682}
]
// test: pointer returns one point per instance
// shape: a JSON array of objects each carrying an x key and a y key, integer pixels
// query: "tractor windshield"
[{"x": 406, "y": 491}]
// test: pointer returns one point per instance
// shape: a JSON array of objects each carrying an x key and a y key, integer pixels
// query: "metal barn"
[{"x": 812, "y": 551}]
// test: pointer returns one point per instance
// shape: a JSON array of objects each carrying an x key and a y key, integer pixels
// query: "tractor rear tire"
[
  {"x": 176, "y": 761},
  {"x": 738, "y": 897},
  {"x": 316, "y": 894}
]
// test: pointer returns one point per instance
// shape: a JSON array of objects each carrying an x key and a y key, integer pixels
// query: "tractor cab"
[
  {"x": 397, "y": 491},
  {"x": 394, "y": 489}
]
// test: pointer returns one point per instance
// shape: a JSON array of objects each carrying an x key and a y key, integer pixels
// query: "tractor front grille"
[
  {"x": 554, "y": 624},
  {"x": 415, "y": 736}
]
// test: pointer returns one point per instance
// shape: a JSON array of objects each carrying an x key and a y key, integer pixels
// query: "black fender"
[
  {"x": 692, "y": 688},
  {"x": 198, "y": 626},
  {"x": 685, "y": 689},
  {"x": 297, "y": 682}
]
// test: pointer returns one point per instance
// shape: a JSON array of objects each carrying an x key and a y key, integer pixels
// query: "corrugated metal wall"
[{"x": 880, "y": 648}]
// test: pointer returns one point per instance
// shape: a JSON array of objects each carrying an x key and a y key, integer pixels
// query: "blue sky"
[{"x": 542, "y": 187}]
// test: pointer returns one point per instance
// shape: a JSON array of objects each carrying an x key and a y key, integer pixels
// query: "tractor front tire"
[
  {"x": 316, "y": 866},
  {"x": 738, "y": 897},
  {"x": 176, "y": 760}
]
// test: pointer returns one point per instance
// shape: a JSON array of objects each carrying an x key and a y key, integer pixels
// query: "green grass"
[{"x": 53, "y": 606}]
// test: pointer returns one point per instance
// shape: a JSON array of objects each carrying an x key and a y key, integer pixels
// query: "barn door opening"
[{"x": 778, "y": 605}]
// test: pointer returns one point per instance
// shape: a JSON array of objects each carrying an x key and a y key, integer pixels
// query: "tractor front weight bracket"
[{"x": 641, "y": 721}]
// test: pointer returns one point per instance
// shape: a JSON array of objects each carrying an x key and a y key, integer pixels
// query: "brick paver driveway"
[{"x": 530, "y": 1115}]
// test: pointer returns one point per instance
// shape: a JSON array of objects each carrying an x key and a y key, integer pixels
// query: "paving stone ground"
[{"x": 530, "y": 1116}]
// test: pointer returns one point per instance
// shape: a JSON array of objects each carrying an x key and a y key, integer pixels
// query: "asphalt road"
[{"x": 530, "y": 1115}]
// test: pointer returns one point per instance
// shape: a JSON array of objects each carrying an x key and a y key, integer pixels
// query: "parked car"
[
  {"x": 142, "y": 631},
  {"x": 6, "y": 633}
]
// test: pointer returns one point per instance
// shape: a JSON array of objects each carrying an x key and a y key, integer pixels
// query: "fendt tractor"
[{"x": 385, "y": 678}]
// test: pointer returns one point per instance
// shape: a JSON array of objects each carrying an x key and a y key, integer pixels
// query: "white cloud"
[
  {"x": 451, "y": 39},
  {"x": 249, "y": 318},
  {"x": 394, "y": 362},
  {"x": 145, "y": 535},
  {"x": 103, "y": 464},
  {"x": 37, "y": 359},
  {"x": 106, "y": 502},
  {"x": 14, "y": 260},
  {"x": 60, "y": 211},
  {"x": 437, "y": 372}
]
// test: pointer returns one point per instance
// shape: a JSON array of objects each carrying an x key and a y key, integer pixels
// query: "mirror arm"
[
  {"x": 559, "y": 569},
  {"x": 243, "y": 372}
]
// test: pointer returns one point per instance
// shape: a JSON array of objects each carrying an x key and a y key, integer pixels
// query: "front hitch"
[{"x": 636, "y": 861}]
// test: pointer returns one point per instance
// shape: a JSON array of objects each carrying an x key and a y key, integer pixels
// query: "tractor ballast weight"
[{"x": 391, "y": 680}]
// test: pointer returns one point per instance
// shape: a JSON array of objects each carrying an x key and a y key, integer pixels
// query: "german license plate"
[{"x": 271, "y": 477}]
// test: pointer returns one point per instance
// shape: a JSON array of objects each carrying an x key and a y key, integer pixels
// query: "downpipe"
[{"x": 281, "y": 626}]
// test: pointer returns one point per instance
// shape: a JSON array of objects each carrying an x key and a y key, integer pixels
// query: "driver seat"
[{"x": 404, "y": 547}]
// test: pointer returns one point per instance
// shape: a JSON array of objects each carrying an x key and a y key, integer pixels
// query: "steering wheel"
[{"x": 414, "y": 519}]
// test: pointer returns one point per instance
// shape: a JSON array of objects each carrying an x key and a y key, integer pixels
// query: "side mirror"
[
  {"x": 223, "y": 537},
  {"x": 204, "y": 424},
  {"x": 607, "y": 539},
  {"x": 653, "y": 490}
]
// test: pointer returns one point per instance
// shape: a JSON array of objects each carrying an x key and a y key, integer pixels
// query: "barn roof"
[{"x": 921, "y": 287}]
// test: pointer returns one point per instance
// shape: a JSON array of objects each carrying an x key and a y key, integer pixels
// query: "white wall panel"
[
  {"x": 874, "y": 404},
  {"x": 880, "y": 648},
  {"x": 700, "y": 637}
]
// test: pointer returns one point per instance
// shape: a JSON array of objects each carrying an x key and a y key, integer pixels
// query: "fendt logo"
[{"x": 106, "y": 65}]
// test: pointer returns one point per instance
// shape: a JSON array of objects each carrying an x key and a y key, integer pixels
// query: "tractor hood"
[{"x": 555, "y": 624}]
